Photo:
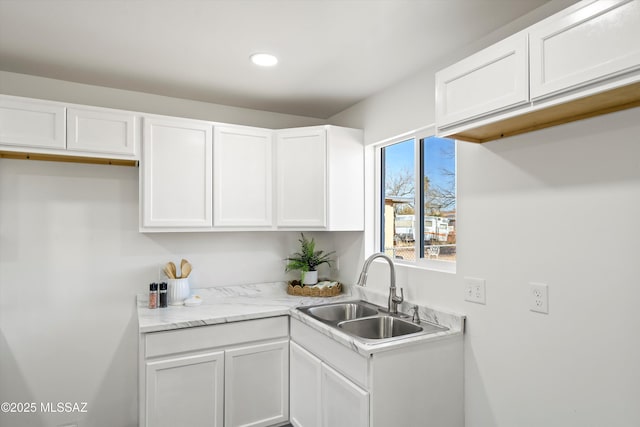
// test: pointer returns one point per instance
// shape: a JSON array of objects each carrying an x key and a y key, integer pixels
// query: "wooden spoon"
[
  {"x": 186, "y": 269},
  {"x": 167, "y": 272},
  {"x": 172, "y": 268}
]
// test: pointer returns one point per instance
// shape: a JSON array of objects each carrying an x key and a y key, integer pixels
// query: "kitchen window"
[{"x": 417, "y": 199}]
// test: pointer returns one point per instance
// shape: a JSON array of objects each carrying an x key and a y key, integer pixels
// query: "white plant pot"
[
  {"x": 310, "y": 278},
  {"x": 179, "y": 290}
]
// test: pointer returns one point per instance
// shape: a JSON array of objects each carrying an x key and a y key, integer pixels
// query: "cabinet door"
[
  {"x": 101, "y": 131},
  {"x": 344, "y": 404},
  {"x": 185, "y": 391},
  {"x": 305, "y": 380},
  {"x": 591, "y": 43},
  {"x": 176, "y": 173},
  {"x": 31, "y": 123},
  {"x": 243, "y": 182},
  {"x": 489, "y": 81},
  {"x": 302, "y": 178},
  {"x": 257, "y": 385}
]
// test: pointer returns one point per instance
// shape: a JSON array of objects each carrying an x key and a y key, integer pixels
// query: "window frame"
[{"x": 417, "y": 135}]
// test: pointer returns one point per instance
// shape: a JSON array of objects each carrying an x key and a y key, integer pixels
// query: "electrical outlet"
[
  {"x": 474, "y": 290},
  {"x": 336, "y": 264},
  {"x": 539, "y": 298}
]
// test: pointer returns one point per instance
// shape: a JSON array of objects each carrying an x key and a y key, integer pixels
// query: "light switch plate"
[{"x": 474, "y": 290}]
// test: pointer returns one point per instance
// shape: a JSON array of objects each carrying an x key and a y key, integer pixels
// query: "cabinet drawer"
[
  {"x": 348, "y": 362},
  {"x": 492, "y": 80},
  {"x": 594, "y": 42},
  {"x": 204, "y": 337}
]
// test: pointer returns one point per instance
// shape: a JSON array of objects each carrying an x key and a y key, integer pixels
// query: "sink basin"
[
  {"x": 367, "y": 322},
  {"x": 380, "y": 327},
  {"x": 338, "y": 312}
]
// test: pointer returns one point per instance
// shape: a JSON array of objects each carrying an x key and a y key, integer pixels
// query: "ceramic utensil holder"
[{"x": 179, "y": 290}]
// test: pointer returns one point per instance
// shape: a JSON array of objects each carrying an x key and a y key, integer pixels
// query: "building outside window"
[{"x": 418, "y": 199}]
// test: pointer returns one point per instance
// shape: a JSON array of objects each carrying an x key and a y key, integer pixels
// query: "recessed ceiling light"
[{"x": 264, "y": 59}]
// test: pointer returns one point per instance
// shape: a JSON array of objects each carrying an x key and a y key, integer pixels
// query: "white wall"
[
  {"x": 72, "y": 261},
  {"x": 558, "y": 206},
  {"x": 78, "y": 93}
]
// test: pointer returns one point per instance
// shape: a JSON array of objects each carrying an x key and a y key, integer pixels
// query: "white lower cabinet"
[
  {"x": 233, "y": 374},
  {"x": 305, "y": 387},
  {"x": 185, "y": 389},
  {"x": 344, "y": 404},
  {"x": 333, "y": 386},
  {"x": 321, "y": 396},
  {"x": 257, "y": 385}
]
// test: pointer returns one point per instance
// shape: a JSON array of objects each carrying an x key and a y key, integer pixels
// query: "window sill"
[{"x": 429, "y": 264}]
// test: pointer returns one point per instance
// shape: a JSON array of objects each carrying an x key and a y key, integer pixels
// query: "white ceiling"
[{"x": 333, "y": 53}]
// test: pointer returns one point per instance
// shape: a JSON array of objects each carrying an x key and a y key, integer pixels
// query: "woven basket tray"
[{"x": 294, "y": 288}]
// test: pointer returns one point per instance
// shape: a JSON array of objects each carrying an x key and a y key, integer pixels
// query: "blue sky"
[{"x": 401, "y": 156}]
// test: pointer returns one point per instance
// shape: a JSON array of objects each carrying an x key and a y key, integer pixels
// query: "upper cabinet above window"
[
  {"x": 487, "y": 82},
  {"x": 582, "y": 62},
  {"x": 595, "y": 42}
]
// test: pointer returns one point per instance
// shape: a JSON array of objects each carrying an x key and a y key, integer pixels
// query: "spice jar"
[
  {"x": 153, "y": 295},
  {"x": 163, "y": 294}
]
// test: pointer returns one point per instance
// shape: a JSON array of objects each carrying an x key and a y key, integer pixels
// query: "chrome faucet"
[{"x": 394, "y": 299}]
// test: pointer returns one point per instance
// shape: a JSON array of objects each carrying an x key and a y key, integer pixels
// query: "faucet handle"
[
  {"x": 416, "y": 315},
  {"x": 399, "y": 299}
]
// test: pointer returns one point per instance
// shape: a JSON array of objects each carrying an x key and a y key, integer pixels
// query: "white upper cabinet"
[
  {"x": 320, "y": 178},
  {"x": 598, "y": 40},
  {"x": 582, "y": 62},
  {"x": 302, "y": 177},
  {"x": 32, "y": 123},
  {"x": 102, "y": 131},
  {"x": 492, "y": 80},
  {"x": 243, "y": 178},
  {"x": 176, "y": 179}
]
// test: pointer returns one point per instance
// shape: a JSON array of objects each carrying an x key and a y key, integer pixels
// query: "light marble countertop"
[{"x": 255, "y": 301}]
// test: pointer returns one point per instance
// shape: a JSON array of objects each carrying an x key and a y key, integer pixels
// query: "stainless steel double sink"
[{"x": 367, "y": 321}]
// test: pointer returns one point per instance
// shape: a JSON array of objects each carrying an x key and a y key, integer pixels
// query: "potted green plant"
[{"x": 307, "y": 260}]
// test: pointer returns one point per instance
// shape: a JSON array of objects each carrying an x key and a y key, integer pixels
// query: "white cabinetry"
[
  {"x": 185, "y": 389},
  {"x": 344, "y": 404},
  {"x": 32, "y": 123},
  {"x": 598, "y": 40},
  {"x": 257, "y": 385},
  {"x": 492, "y": 80},
  {"x": 243, "y": 178},
  {"x": 233, "y": 374},
  {"x": 321, "y": 396},
  {"x": 102, "y": 131},
  {"x": 176, "y": 180},
  {"x": 305, "y": 388},
  {"x": 320, "y": 178},
  {"x": 302, "y": 178},
  {"x": 581, "y": 62},
  {"x": 46, "y": 130},
  {"x": 332, "y": 385}
]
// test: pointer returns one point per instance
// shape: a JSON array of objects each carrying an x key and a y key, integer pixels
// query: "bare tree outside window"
[
  {"x": 431, "y": 232},
  {"x": 399, "y": 200}
]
